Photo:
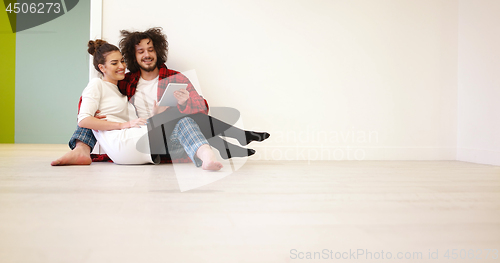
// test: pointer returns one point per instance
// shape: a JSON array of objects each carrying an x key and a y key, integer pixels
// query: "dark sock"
[
  {"x": 231, "y": 153},
  {"x": 254, "y": 136},
  {"x": 228, "y": 150}
]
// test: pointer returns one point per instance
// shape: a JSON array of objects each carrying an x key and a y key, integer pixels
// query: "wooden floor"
[{"x": 267, "y": 211}]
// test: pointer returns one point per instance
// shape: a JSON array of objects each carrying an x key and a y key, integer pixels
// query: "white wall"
[
  {"x": 479, "y": 81},
  {"x": 365, "y": 79}
]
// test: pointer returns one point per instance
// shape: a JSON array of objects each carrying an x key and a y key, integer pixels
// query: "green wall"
[
  {"x": 51, "y": 71},
  {"x": 7, "y": 75}
]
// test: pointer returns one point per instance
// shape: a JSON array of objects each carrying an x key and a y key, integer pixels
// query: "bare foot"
[
  {"x": 206, "y": 155},
  {"x": 78, "y": 156},
  {"x": 212, "y": 166}
]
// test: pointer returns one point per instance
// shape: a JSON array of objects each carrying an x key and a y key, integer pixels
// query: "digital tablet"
[{"x": 168, "y": 98}]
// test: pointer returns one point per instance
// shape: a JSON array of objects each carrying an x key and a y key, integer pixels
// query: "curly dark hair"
[
  {"x": 99, "y": 49},
  {"x": 131, "y": 39}
]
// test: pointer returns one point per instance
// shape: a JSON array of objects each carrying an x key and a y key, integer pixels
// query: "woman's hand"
[
  {"x": 182, "y": 96},
  {"x": 137, "y": 123}
]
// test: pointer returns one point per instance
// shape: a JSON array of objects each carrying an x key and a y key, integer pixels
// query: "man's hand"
[
  {"x": 159, "y": 109},
  {"x": 137, "y": 123},
  {"x": 101, "y": 117},
  {"x": 182, "y": 96}
]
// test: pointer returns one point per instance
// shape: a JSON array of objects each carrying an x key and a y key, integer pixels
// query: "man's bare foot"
[
  {"x": 78, "y": 156},
  {"x": 206, "y": 155},
  {"x": 212, "y": 166}
]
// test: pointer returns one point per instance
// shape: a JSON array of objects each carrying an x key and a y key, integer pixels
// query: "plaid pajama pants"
[{"x": 186, "y": 138}]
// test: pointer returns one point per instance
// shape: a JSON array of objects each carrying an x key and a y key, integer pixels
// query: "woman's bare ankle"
[{"x": 80, "y": 155}]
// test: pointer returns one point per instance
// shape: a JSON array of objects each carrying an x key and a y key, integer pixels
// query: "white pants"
[{"x": 121, "y": 145}]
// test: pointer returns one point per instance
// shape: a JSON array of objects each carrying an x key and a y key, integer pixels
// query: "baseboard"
[
  {"x": 479, "y": 156},
  {"x": 351, "y": 153}
]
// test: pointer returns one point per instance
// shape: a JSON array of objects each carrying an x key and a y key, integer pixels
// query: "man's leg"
[
  {"x": 208, "y": 125},
  {"x": 187, "y": 135},
  {"x": 212, "y": 127},
  {"x": 81, "y": 143}
]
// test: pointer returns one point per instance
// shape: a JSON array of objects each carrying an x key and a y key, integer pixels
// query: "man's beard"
[{"x": 149, "y": 69}]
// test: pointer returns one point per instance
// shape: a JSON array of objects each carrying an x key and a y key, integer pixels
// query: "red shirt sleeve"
[{"x": 195, "y": 103}]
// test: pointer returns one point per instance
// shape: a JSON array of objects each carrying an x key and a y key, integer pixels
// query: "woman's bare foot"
[
  {"x": 80, "y": 155},
  {"x": 206, "y": 155}
]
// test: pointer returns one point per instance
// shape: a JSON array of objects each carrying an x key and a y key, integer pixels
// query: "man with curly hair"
[{"x": 145, "y": 54}]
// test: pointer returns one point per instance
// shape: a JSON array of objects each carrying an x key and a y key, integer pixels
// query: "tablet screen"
[{"x": 168, "y": 98}]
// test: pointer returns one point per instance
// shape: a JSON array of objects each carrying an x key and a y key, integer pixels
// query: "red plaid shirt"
[{"x": 195, "y": 103}]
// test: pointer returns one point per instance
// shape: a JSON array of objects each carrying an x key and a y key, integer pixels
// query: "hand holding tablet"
[
  {"x": 182, "y": 96},
  {"x": 168, "y": 98}
]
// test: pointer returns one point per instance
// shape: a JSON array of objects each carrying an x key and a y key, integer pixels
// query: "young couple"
[{"x": 120, "y": 110}]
